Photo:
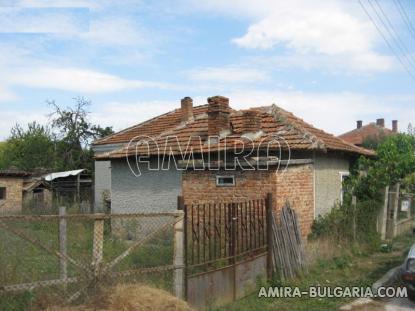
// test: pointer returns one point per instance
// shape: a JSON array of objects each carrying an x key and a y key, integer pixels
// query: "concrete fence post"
[
  {"x": 63, "y": 265},
  {"x": 396, "y": 209},
  {"x": 384, "y": 215},
  {"x": 178, "y": 258},
  {"x": 98, "y": 243}
]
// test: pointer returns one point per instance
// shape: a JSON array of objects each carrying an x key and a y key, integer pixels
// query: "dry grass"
[
  {"x": 131, "y": 298},
  {"x": 321, "y": 249}
]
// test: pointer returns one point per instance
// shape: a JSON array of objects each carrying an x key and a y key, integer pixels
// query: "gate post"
[
  {"x": 268, "y": 207},
  {"x": 179, "y": 259},
  {"x": 233, "y": 250}
]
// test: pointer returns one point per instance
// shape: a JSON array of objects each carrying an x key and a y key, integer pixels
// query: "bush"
[{"x": 347, "y": 224}]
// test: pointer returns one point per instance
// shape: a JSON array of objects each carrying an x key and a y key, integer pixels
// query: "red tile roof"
[
  {"x": 371, "y": 130},
  {"x": 169, "y": 133}
]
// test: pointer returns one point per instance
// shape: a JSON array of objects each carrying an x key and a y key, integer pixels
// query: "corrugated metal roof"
[{"x": 53, "y": 176}]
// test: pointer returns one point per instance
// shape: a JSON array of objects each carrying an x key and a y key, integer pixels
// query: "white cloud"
[
  {"x": 10, "y": 118},
  {"x": 76, "y": 80},
  {"x": 6, "y": 95},
  {"x": 121, "y": 115},
  {"x": 228, "y": 74},
  {"x": 325, "y": 29},
  {"x": 27, "y": 20},
  {"x": 114, "y": 31},
  {"x": 55, "y": 3}
]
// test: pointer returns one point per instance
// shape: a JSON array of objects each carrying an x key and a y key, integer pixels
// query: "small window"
[
  {"x": 2, "y": 193},
  {"x": 225, "y": 181}
]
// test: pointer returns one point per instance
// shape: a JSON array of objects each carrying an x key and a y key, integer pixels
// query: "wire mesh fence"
[{"x": 64, "y": 258}]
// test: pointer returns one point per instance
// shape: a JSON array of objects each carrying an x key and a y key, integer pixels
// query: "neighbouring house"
[
  {"x": 293, "y": 160},
  {"x": 372, "y": 131},
  {"x": 11, "y": 190},
  {"x": 37, "y": 193},
  {"x": 70, "y": 186}
]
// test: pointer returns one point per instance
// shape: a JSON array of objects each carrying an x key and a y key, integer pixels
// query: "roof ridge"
[
  {"x": 316, "y": 143},
  {"x": 103, "y": 139},
  {"x": 160, "y": 135}
]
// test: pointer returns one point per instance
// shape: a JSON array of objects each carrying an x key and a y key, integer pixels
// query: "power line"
[
  {"x": 394, "y": 33},
  {"x": 405, "y": 17},
  {"x": 386, "y": 41}
]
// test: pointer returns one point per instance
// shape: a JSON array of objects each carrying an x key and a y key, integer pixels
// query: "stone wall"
[{"x": 13, "y": 201}]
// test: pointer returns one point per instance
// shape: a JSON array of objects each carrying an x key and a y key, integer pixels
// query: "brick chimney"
[
  {"x": 252, "y": 121},
  {"x": 187, "y": 109},
  {"x": 380, "y": 122},
  {"x": 218, "y": 115},
  {"x": 395, "y": 126},
  {"x": 359, "y": 124}
]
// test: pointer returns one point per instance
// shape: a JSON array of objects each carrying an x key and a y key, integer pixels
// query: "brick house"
[
  {"x": 371, "y": 130},
  {"x": 11, "y": 190},
  {"x": 291, "y": 159}
]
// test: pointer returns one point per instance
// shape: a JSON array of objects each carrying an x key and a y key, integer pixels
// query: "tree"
[
  {"x": 28, "y": 149},
  {"x": 372, "y": 142},
  {"x": 75, "y": 132},
  {"x": 395, "y": 159}
]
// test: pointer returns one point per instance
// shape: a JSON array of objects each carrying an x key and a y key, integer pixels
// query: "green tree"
[
  {"x": 28, "y": 149},
  {"x": 395, "y": 159}
]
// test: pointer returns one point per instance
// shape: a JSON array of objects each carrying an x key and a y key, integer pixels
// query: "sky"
[{"x": 323, "y": 60}]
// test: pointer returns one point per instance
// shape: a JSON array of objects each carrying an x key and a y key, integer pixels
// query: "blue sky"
[{"x": 323, "y": 60}]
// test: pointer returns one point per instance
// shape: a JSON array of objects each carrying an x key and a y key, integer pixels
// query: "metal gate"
[{"x": 226, "y": 250}]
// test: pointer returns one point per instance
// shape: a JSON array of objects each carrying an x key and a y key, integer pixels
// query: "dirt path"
[{"x": 396, "y": 304}]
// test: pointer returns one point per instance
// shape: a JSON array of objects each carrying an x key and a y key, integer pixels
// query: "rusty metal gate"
[{"x": 226, "y": 250}]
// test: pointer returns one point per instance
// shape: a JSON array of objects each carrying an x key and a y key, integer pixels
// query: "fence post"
[
  {"x": 98, "y": 243},
  {"x": 395, "y": 209},
  {"x": 180, "y": 252},
  {"x": 268, "y": 207},
  {"x": 234, "y": 223},
  {"x": 63, "y": 265},
  {"x": 354, "y": 205},
  {"x": 384, "y": 215}
]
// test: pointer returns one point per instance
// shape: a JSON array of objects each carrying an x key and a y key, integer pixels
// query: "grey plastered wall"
[
  {"x": 153, "y": 191},
  {"x": 328, "y": 184},
  {"x": 102, "y": 183},
  {"x": 102, "y": 175}
]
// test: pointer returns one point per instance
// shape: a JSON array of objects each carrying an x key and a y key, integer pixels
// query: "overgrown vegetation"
[
  {"x": 62, "y": 146},
  {"x": 350, "y": 267},
  {"x": 347, "y": 223}
]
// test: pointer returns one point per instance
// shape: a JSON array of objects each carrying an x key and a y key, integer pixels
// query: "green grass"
[
  {"x": 23, "y": 262},
  {"x": 351, "y": 269}
]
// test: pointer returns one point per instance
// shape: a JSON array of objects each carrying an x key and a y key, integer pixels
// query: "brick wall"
[
  {"x": 296, "y": 185},
  {"x": 13, "y": 201},
  {"x": 201, "y": 186}
]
